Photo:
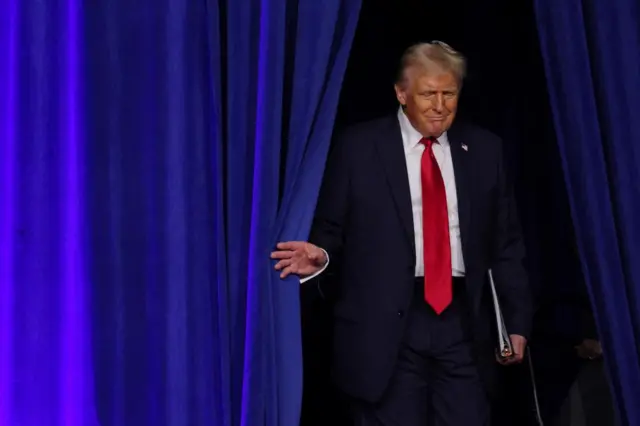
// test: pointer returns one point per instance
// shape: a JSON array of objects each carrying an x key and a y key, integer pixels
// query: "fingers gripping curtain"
[{"x": 591, "y": 57}]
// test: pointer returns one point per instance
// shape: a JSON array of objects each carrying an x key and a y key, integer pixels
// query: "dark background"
[{"x": 505, "y": 92}]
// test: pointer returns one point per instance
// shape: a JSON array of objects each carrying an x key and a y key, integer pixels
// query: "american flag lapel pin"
[{"x": 465, "y": 147}]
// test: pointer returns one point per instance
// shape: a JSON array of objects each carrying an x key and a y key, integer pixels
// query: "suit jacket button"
[{"x": 400, "y": 313}]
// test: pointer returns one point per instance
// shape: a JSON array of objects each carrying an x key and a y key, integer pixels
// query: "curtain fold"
[
  {"x": 592, "y": 65},
  {"x": 151, "y": 155},
  {"x": 284, "y": 65},
  {"x": 152, "y": 257},
  {"x": 44, "y": 284}
]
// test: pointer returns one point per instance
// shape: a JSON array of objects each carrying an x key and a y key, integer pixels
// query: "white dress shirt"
[{"x": 413, "y": 150}]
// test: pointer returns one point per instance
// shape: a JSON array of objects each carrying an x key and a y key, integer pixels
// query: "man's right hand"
[{"x": 298, "y": 257}]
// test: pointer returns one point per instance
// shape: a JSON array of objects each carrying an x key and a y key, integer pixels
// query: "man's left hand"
[
  {"x": 589, "y": 349},
  {"x": 519, "y": 344}
]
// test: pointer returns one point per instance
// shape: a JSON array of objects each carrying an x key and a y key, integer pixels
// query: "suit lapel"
[
  {"x": 391, "y": 151},
  {"x": 461, "y": 168}
]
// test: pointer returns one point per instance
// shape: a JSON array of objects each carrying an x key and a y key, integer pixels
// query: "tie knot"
[{"x": 427, "y": 142}]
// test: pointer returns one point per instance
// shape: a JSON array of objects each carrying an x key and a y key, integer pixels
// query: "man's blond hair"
[{"x": 433, "y": 57}]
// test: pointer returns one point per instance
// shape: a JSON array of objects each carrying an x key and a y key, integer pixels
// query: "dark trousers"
[{"x": 436, "y": 382}]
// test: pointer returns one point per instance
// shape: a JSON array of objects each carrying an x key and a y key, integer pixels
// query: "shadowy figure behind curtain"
[
  {"x": 151, "y": 154},
  {"x": 591, "y": 57}
]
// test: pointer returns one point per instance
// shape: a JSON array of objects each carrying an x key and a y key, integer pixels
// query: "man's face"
[{"x": 430, "y": 100}]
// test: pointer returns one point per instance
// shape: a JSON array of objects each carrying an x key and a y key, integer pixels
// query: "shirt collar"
[{"x": 411, "y": 137}]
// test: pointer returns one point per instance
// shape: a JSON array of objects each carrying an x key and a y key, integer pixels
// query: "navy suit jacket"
[{"x": 364, "y": 221}]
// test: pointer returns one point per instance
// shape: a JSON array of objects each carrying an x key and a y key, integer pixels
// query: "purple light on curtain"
[
  {"x": 73, "y": 378},
  {"x": 259, "y": 335},
  {"x": 45, "y": 374},
  {"x": 8, "y": 76}
]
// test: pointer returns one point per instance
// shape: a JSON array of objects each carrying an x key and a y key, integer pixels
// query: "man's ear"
[{"x": 400, "y": 95}]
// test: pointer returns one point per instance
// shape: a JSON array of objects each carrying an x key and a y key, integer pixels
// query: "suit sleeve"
[
  {"x": 508, "y": 260},
  {"x": 327, "y": 230}
]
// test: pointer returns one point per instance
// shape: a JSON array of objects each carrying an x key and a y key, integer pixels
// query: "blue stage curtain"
[
  {"x": 45, "y": 332},
  {"x": 151, "y": 154},
  {"x": 590, "y": 50},
  {"x": 281, "y": 69}
]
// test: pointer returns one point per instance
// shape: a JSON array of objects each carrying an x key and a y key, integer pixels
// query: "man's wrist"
[
  {"x": 325, "y": 258},
  {"x": 320, "y": 271}
]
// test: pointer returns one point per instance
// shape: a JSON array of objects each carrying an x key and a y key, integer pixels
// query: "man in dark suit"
[{"x": 413, "y": 212}]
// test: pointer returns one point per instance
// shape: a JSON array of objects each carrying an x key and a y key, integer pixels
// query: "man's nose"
[{"x": 439, "y": 102}]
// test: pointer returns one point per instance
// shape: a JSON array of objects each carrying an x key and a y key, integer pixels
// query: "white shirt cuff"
[{"x": 310, "y": 277}]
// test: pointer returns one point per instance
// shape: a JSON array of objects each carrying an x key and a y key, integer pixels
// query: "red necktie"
[{"x": 435, "y": 232}]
